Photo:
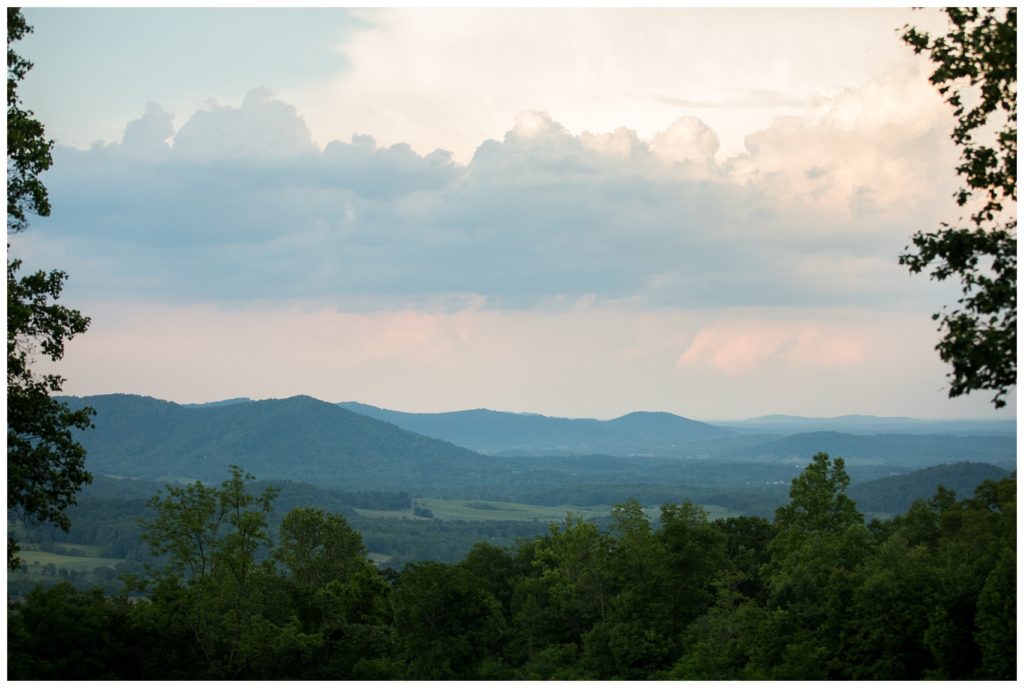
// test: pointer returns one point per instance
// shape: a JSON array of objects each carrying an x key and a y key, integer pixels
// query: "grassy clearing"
[
  {"x": 484, "y": 510},
  {"x": 35, "y": 560},
  {"x": 488, "y": 510},
  {"x": 716, "y": 512}
]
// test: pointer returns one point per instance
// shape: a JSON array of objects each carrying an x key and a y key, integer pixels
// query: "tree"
[
  {"x": 976, "y": 71},
  {"x": 317, "y": 547},
  {"x": 45, "y": 465},
  {"x": 818, "y": 501},
  {"x": 819, "y": 546},
  {"x": 215, "y": 588},
  {"x": 446, "y": 622}
]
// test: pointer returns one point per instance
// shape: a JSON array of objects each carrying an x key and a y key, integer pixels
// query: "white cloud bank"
[{"x": 238, "y": 203}]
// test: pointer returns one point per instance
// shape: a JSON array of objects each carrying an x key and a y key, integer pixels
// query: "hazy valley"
[{"x": 408, "y": 492}]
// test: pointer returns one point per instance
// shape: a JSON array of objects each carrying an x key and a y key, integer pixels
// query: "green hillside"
[
  {"x": 299, "y": 438},
  {"x": 895, "y": 494}
]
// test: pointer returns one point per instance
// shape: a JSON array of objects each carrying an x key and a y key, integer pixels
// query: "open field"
[
  {"x": 485, "y": 510},
  {"x": 36, "y": 559},
  {"x": 489, "y": 510}
]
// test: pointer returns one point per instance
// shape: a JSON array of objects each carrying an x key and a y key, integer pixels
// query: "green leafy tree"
[
  {"x": 317, "y": 547},
  {"x": 819, "y": 545},
  {"x": 996, "y": 632},
  {"x": 65, "y": 634},
  {"x": 495, "y": 569},
  {"x": 338, "y": 596},
  {"x": 567, "y": 590},
  {"x": 890, "y": 612},
  {"x": 634, "y": 636},
  {"x": 216, "y": 586},
  {"x": 662, "y": 582},
  {"x": 976, "y": 70},
  {"x": 446, "y": 623},
  {"x": 724, "y": 642},
  {"x": 45, "y": 465}
]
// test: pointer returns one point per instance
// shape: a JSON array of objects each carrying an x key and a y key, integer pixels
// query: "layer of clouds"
[
  {"x": 454, "y": 77},
  {"x": 732, "y": 250},
  {"x": 238, "y": 203}
]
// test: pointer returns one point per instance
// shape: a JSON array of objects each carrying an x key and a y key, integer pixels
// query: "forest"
[{"x": 815, "y": 593}]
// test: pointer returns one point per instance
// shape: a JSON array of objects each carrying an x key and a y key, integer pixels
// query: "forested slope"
[
  {"x": 531, "y": 434},
  {"x": 299, "y": 438}
]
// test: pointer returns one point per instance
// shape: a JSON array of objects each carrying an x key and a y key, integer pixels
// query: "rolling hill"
[
  {"x": 304, "y": 439},
  {"x": 528, "y": 434},
  {"x": 299, "y": 438},
  {"x": 895, "y": 494}
]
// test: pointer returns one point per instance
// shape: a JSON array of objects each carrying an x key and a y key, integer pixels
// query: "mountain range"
[
  {"x": 528, "y": 434},
  {"x": 330, "y": 445},
  {"x": 870, "y": 425},
  {"x": 299, "y": 438}
]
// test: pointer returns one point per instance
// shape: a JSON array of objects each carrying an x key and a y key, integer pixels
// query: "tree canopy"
[
  {"x": 976, "y": 71},
  {"x": 818, "y": 594},
  {"x": 45, "y": 465}
]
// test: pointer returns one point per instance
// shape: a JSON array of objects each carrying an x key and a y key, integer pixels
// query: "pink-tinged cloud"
[{"x": 738, "y": 349}]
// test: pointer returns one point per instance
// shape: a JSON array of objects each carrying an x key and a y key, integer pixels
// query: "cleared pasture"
[
  {"x": 36, "y": 559},
  {"x": 489, "y": 510}
]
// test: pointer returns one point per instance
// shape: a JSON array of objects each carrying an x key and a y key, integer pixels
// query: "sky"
[{"x": 575, "y": 212}]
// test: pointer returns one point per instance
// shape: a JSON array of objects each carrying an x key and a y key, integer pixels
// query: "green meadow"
[{"x": 490, "y": 510}]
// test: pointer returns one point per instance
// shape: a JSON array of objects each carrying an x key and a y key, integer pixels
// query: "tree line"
[{"x": 814, "y": 594}]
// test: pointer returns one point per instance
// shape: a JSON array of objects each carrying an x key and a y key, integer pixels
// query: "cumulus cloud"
[
  {"x": 243, "y": 205},
  {"x": 688, "y": 140},
  {"x": 148, "y": 135},
  {"x": 383, "y": 172},
  {"x": 877, "y": 148},
  {"x": 261, "y": 126}
]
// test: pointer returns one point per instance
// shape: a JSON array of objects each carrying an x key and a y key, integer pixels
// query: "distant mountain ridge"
[
  {"x": 859, "y": 424},
  {"x": 299, "y": 438},
  {"x": 528, "y": 434},
  {"x": 308, "y": 440},
  {"x": 770, "y": 438},
  {"x": 222, "y": 402}
]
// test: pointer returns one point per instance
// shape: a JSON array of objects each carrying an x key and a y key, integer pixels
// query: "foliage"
[
  {"x": 45, "y": 465},
  {"x": 895, "y": 494},
  {"x": 317, "y": 548},
  {"x": 930, "y": 594},
  {"x": 818, "y": 501},
  {"x": 445, "y": 620},
  {"x": 976, "y": 70},
  {"x": 212, "y": 584},
  {"x": 28, "y": 149},
  {"x": 65, "y": 634}
]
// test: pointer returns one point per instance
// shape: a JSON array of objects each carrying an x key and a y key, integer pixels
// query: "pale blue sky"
[
  {"x": 110, "y": 62},
  {"x": 579, "y": 213}
]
